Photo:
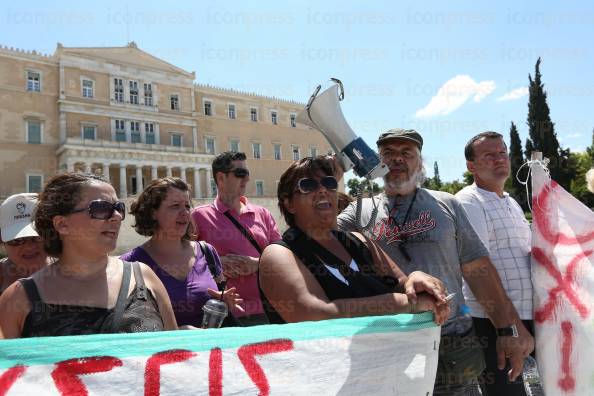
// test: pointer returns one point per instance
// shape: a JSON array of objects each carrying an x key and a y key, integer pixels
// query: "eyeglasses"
[
  {"x": 308, "y": 185},
  {"x": 103, "y": 210},
  {"x": 22, "y": 241},
  {"x": 239, "y": 172}
]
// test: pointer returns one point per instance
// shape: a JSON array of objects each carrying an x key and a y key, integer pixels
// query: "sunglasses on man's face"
[
  {"x": 22, "y": 241},
  {"x": 240, "y": 172},
  {"x": 308, "y": 185},
  {"x": 103, "y": 210}
]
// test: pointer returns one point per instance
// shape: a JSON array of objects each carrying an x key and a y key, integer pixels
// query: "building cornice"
[
  {"x": 243, "y": 95},
  {"x": 106, "y": 151},
  {"x": 22, "y": 54}
]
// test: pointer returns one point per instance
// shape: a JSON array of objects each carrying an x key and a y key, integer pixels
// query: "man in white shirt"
[{"x": 500, "y": 224}]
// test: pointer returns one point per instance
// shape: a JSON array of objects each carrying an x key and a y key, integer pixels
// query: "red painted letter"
[
  {"x": 247, "y": 355},
  {"x": 567, "y": 383},
  {"x": 66, "y": 373},
  {"x": 152, "y": 371},
  {"x": 215, "y": 372},
  {"x": 9, "y": 377}
]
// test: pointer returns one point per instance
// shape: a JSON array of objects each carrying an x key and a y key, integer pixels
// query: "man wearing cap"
[
  {"x": 429, "y": 231},
  {"x": 23, "y": 246},
  {"x": 500, "y": 223}
]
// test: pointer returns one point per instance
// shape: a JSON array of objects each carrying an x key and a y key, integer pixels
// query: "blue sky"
[{"x": 448, "y": 69}]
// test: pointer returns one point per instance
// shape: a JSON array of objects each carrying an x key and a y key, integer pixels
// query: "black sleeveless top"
[
  {"x": 363, "y": 283},
  {"x": 138, "y": 312}
]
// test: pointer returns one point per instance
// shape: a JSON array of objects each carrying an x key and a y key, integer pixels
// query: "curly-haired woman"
[{"x": 162, "y": 212}]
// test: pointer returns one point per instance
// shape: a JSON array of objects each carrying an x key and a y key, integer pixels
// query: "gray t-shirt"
[{"x": 437, "y": 235}]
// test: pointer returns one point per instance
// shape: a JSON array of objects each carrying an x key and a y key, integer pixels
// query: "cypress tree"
[
  {"x": 542, "y": 131},
  {"x": 517, "y": 190},
  {"x": 436, "y": 179}
]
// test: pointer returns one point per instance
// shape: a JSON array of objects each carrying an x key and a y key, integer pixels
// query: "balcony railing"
[{"x": 74, "y": 141}]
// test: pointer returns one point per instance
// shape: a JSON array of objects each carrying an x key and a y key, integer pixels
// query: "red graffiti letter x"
[{"x": 565, "y": 284}]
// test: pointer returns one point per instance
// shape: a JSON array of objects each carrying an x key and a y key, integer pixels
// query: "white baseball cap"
[{"x": 16, "y": 216}]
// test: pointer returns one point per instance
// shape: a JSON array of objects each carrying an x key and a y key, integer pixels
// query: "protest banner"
[
  {"x": 387, "y": 355},
  {"x": 563, "y": 280}
]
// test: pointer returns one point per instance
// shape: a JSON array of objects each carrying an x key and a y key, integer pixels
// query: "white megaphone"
[{"x": 323, "y": 113}]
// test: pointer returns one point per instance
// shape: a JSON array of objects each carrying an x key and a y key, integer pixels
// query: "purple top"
[{"x": 189, "y": 295}]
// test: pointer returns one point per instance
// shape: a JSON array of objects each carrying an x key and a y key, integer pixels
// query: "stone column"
[
  {"x": 197, "y": 189},
  {"x": 139, "y": 186},
  {"x": 70, "y": 166},
  {"x": 182, "y": 173},
  {"x": 154, "y": 174},
  {"x": 105, "y": 171},
  {"x": 169, "y": 172},
  {"x": 208, "y": 192},
  {"x": 123, "y": 189},
  {"x": 87, "y": 168},
  {"x": 63, "y": 131}
]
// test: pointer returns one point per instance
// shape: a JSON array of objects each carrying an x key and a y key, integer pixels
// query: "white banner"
[{"x": 390, "y": 355}]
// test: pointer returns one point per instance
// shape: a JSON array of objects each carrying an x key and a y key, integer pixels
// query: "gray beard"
[{"x": 404, "y": 187}]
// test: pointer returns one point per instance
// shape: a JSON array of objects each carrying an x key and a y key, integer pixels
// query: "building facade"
[{"x": 132, "y": 117}]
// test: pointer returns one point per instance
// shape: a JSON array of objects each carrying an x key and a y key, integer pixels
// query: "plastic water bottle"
[{"x": 531, "y": 378}]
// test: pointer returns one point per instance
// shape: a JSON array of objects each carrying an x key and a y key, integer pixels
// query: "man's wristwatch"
[{"x": 511, "y": 331}]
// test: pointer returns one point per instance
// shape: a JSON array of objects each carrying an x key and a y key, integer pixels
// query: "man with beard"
[
  {"x": 500, "y": 223},
  {"x": 429, "y": 231}
]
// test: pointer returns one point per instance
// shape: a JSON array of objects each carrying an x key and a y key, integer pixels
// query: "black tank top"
[
  {"x": 138, "y": 312},
  {"x": 363, "y": 283}
]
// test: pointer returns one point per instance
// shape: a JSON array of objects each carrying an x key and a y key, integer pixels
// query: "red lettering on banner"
[
  {"x": 9, "y": 377},
  {"x": 152, "y": 371},
  {"x": 564, "y": 284},
  {"x": 215, "y": 372},
  {"x": 247, "y": 356},
  {"x": 567, "y": 383},
  {"x": 66, "y": 373},
  {"x": 542, "y": 218}
]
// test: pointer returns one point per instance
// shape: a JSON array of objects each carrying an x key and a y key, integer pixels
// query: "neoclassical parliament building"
[{"x": 132, "y": 117}]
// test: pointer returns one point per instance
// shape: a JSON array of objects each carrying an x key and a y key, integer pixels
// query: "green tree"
[
  {"x": 590, "y": 150},
  {"x": 542, "y": 131},
  {"x": 513, "y": 185},
  {"x": 436, "y": 179},
  {"x": 452, "y": 187},
  {"x": 354, "y": 184},
  {"x": 467, "y": 178},
  {"x": 583, "y": 163}
]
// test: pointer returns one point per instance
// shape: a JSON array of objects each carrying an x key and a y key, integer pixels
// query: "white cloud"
[
  {"x": 574, "y": 135},
  {"x": 454, "y": 93},
  {"x": 513, "y": 94}
]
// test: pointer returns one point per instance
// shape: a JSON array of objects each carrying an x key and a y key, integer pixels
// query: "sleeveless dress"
[
  {"x": 138, "y": 312},
  {"x": 356, "y": 281}
]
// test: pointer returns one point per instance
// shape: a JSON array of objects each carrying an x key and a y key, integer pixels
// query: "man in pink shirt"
[{"x": 238, "y": 230}]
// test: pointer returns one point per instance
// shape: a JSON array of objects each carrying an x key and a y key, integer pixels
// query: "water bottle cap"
[{"x": 214, "y": 306}]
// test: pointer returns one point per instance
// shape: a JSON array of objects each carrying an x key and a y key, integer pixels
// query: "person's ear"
[
  {"x": 61, "y": 225},
  {"x": 470, "y": 166},
  {"x": 288, "y": 204}
]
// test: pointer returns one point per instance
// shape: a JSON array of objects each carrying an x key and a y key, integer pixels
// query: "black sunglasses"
[
  {"x": 239, "y": 172},
  {"x": 308, "y": 185},
  {"x": 103, "y": 210}
]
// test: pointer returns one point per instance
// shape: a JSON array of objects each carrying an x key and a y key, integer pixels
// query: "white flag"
[{"x": 563, "y": 280}]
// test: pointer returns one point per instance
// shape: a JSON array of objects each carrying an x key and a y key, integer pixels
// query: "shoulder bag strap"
[
  {"x": 245, "y": 232},
  {"x": 210, "y": 262},
  {"x": 122, "y": 297}
]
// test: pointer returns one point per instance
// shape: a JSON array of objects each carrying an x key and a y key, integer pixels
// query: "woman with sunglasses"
[
  {"x": 319, "y": 273},
  {"x": 22, "y": 244},
  {"x": 162, "y": 212},
  {"x": 85, "y": 291}
]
